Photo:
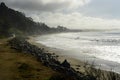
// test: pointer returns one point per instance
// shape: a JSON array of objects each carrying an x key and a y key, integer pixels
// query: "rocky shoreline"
[{"x": 50, "y": 60}]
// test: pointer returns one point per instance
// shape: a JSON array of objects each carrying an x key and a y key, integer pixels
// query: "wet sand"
[
  {"x": 76, "y": 64},
  {"x": 79, "y": 63}
]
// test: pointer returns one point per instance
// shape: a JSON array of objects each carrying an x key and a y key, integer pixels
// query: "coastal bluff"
[
  {"x": 64, "y": 68},
  {"x": 48, "y": 60}
]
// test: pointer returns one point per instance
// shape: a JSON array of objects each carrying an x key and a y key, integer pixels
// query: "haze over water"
[{"x": 104, "y": 46}]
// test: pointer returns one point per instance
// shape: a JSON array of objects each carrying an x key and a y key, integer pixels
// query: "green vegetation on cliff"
[
  {"x": 15, "y": 22},
  {"x": 15, "y": 65}
]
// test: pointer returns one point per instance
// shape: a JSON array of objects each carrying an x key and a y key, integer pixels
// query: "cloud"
[
  {"x": 45, "y": 5},
  {"x": 85, "y": 14},
  {"x": 77, "y": 20}
]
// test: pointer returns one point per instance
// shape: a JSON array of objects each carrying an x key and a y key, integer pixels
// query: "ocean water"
[{"x": 102, "y": 46}]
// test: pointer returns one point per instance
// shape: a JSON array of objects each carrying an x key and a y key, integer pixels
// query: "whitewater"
[{"x": 102, "y": 47}]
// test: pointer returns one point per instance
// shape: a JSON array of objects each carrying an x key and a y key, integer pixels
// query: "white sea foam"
[{"x": 101, "y": 45}]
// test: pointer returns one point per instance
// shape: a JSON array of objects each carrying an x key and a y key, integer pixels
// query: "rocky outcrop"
[
  {"x": 49, "y": 60},
  {"x": 66, "y": 64}
]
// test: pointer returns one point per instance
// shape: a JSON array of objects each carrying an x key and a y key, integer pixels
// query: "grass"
[
  {"x": 18, "y": 66},
  {"x": 100, "y": 74},
  {"x": 15, "y": 65}
]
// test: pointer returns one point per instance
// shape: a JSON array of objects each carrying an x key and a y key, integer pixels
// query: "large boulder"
[{"x": 66, "y": 64}]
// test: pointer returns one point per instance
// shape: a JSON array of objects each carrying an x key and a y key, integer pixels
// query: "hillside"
[
  {"x": 15, "y": 65},
  {"x": 87, "y": 71},
  {"x": 15, "y": 22}
]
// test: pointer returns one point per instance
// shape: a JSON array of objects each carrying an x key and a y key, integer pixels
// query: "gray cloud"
[
  {"x": 35, "y": 6},
  {"x": 71, "y": 13},
  {"x": 45, "y": 5}
]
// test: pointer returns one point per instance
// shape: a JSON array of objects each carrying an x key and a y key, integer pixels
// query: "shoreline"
[
  {"x": 51, "y": 60},
  {"x": 78, "y": 64},
  {"x": 74, "y": 62},
  {"x": 83, "y": 71}
]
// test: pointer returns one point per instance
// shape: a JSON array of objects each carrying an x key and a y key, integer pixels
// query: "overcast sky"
[{"x": 82, "y": 14}]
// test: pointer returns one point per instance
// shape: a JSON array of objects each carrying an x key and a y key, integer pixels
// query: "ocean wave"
[{"x": 99, "y": 45}]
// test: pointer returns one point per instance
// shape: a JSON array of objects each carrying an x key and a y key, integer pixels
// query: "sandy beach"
[
  {"x": 79, "y": 64},
  {"x": 76, "y": 64}
]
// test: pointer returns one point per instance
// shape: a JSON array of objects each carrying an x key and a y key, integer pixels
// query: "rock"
[
  {"x": 47, "y": 59},
  {"x": 65, "y": 64}
]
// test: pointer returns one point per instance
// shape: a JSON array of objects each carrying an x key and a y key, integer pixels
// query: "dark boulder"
[
  {"x": 65, "y": 64},
  {"x": 48, "y": 60}
]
